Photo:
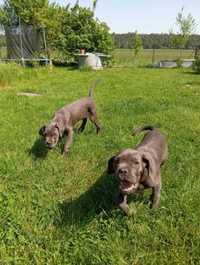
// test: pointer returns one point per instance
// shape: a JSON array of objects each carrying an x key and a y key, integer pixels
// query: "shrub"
[
  {"x": 80, "y": 30},
  {"x": 68, "y": 29},
  {"x": 179, "y": 62},
  {"x": 196, "y": 65}
]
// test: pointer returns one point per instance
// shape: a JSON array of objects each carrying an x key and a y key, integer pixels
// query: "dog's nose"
[
  {"x": 123, "y": 171},
  {"x": 48, "y": 144}
]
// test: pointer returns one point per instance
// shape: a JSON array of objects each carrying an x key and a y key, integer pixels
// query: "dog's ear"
[
  {"x": 57, "y": 127},
  {"x": 42, "y": 130},
  {"x": 150, "y": 167},
  {"x": 111, "y": 165}
]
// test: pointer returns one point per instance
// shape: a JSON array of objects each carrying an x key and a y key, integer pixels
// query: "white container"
[
  {"x": 90, "y": 59},
  {"x": 187, "y": 63},
  {"x": 168, "y": 64}
]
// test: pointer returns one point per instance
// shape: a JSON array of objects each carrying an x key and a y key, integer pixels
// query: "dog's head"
[
  {"x": 130, "y": 167},
  {"x": 51, "y": 135}
]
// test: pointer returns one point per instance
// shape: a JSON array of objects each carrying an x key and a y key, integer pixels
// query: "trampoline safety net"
[{"x": 23, "y": 41}]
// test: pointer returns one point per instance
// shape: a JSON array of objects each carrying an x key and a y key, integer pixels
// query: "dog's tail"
[
  {"x": 141, "y": 129},
  {"x": 90, "y": 94}
]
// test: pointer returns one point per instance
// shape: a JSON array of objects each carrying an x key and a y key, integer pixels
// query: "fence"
[{"x": 126, "y": 58}]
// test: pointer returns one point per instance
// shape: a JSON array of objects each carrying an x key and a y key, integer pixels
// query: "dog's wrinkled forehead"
[
  {"x": 51, "y": 129},
  {"x": 129, "y": 156}
]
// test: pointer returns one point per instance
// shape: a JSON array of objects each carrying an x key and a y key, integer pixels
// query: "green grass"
[
  {"x": 59, "y": 210},
  {"x": 125, "y": 57}
]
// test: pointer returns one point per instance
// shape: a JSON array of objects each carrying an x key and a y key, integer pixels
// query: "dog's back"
[
  {"x": 79, "y": 109},
  {"x": 153, "y": 140}
]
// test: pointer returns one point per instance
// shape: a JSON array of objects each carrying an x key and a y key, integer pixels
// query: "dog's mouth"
[
  {"x": 127, "y": 186},
  {"x": 49, "y": 146}
]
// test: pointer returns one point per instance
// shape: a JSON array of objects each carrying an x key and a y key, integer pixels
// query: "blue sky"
[{"x": 146, "y": 16}]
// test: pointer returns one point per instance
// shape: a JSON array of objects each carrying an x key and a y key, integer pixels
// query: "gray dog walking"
[
  {"x": 64, "y": 120},
  {"x": 140, "y": 167}
]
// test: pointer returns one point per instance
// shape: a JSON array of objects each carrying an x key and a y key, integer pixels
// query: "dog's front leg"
[
  {"x": 122, "y": 203},
  {"x": 69, "y": 139},
  {"x": 155, "y": 196}
]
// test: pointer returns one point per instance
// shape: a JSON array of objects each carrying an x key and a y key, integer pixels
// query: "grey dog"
[
  {"x": 64, "y": 120},
  {"x": 139, "y": 168}
]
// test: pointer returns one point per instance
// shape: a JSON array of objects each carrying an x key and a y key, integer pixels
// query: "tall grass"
[{"x": 10, "y": 73}]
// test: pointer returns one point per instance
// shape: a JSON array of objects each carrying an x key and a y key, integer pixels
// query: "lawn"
[{"x": 60, "y": 210}]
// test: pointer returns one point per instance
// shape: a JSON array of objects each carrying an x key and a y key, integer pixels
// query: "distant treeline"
[
  {"x": 158, "y": 41},
  {"x": 150, "y": 41}
]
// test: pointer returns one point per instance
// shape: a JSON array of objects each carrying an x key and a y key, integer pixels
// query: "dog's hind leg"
[
  {"x": 82, "y": 127},
  {"x": 93, "y": 119}
]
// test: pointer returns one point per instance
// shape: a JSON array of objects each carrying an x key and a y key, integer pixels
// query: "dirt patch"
[{"x": 27, "y": 94}]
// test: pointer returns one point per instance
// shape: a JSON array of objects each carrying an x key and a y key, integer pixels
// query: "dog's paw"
[
  {"x": 64, "y": 153},
  {"x": 79, "y": 131},
  {"x": 130, "y": 212}
]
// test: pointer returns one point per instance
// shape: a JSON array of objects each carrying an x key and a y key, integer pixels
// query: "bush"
[
  {"x": 179, "y": 62},
  {"x": 81, "y": 30},
  {"x": 68, "y": 29},
  {"x": 196, "y": 65}
]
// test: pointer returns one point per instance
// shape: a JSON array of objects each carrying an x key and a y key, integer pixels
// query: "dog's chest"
[{"x": 147, "y": 183}]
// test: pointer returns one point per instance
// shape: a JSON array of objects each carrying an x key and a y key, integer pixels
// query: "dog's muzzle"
[
  {"x": 126, "y": 186},
  {"x": 49, "y": 146}
]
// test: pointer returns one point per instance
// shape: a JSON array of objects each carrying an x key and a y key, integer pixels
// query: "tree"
[
  {"x": 30, "y": 12},
  {"x": 39, "y": 13},
  {"x": 186, "y": 26},
  {"x": 137, "y": 44},
  {"x": 94, "y": 5},
  {"x": 67, "y": 28},
  {"x": 81, "y": 30}
]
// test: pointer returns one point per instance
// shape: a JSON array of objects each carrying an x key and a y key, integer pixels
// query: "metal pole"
[
  {"x": 45, "y": 44},
  {"x": 21, "y": 43},
  {"x": 153, "y": 56}
]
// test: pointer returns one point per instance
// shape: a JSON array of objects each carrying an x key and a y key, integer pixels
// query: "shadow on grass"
[
  {"x": 101, "y": 196},
  {"x": 190, "y": 72},
  {"x": 38, "y": 150}
]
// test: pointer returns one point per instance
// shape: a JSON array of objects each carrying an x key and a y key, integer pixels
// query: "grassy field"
[
  {"x": 125, "y": 57},
  {"x": 60, "y": 210}
]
